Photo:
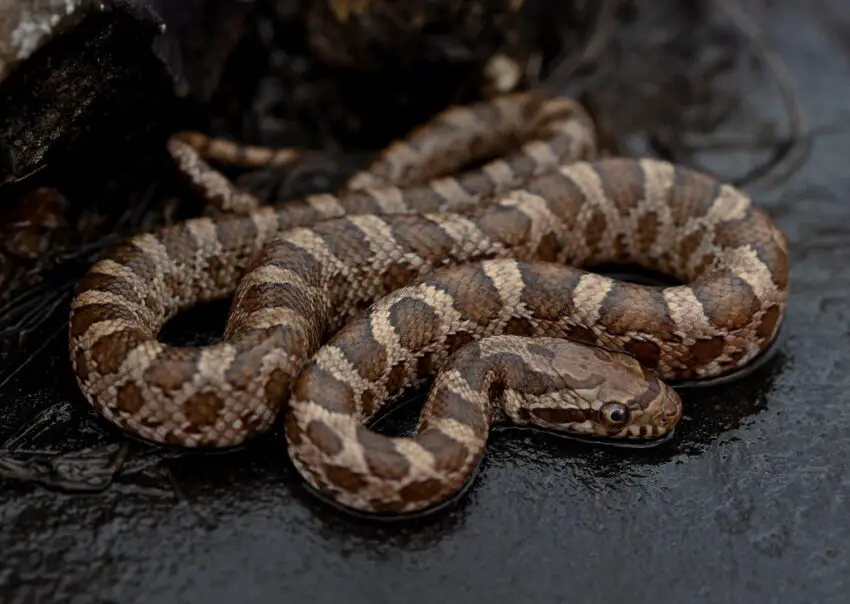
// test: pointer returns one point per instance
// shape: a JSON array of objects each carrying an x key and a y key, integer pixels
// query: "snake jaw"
[{"x": 670, "y": 412}]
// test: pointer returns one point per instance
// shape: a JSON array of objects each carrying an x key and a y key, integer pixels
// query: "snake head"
[{"x": 597, "y": 393}]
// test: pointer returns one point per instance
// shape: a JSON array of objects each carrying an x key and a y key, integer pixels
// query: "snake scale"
[{"x": 416, "y": 270}]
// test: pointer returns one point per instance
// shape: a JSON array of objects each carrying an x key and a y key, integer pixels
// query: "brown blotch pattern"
[
  {"x": 475, "y": 295},
  {"x": 343, "y": 478},
  {"x": 398, "y": 275},
  {"x": 427, "y": 364},
  {"x": 285, "y": 254},
  {"x": 705, "y": 351},
  {"x": 81, "y": 365},
  {"x": 595, "y": 229},
  {"x": 397, "y": 378},
  {"x": 564, "y": 198},
  {"x": 768, "y": 323},
  {"x": 171, "y": 374},
  {"x": 203, "y": 409},
  {"x": 583, "y": 334},
  {"x": 516, "y": 375},
  {"x": 111, "y": 350},
  {"x": 448, "y": 453},
  {"x": 421, "y": 490},
  {"x": 323, "y": 438},
  {"x": 451, "y": 405},
  {"x": 344, "y": 240},
  {"x": 368, "y": 399},
  {"x": 648, "y": 353},
  {"x": 649, "y": 226},
  {"x": 628, "y": 308},
  {"x": 86, "y": 316},
  {"x": 505, "y": 224},
  {"x": 381, "y": 456},
  {"x": 426, "y": 199},
  {"x": 524, "y": 166},
  {"x": 278, "y": 295},
  {"x": 130, "y": 398},
  {"x": 549, "y": 249},
  {"x": 363, "y": 351},
  {"x": 415, "y": 322},
  {"x": 756, "y": 228},
  {"x": 538, "y": 295},
  {"x": 458, "y": 339},
  {"x": 622, "y": 182},
  {"x": 687, "y": 246},
  {"x": 693, "y": 194},
  {"x": 476, "y": 184},
  {"x": 243, "y": 370},
  {"x": 337, "y": 396},
  {"x": 519, "y": 326},
  {"x": 277, "y": 388},
  {"x": 139, "y": 263},
  {"x": 735, "y": 308}
]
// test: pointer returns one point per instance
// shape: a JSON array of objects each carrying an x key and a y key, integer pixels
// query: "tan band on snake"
[
  {"x": 524, "y": 134},
  {"x": 334, "y": 318}
]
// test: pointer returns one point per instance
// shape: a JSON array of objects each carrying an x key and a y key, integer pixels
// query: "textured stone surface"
[
  {"x": 25, "y": 25},
  {"x": 71, "y": 72},
  {"x": 749, "y": 503},
  {"x": 80, "y": 77}
]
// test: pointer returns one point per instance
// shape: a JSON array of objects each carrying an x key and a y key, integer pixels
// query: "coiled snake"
[{"x": 341, "y": 302}]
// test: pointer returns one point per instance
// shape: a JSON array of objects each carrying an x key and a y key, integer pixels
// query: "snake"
[{"x": 462, "y": 255}]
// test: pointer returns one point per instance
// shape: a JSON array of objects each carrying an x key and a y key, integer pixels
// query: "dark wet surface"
[{"x": 747, "y": 503}]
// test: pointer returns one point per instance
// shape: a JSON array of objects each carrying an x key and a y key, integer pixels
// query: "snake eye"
[{"x": 615, "y": 414}]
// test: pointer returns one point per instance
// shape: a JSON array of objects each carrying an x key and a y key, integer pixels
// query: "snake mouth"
[
  {"x": 628, "y": 441},
  {"x": 607, "y": 440}
]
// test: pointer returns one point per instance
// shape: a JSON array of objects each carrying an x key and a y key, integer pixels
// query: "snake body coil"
[{"x": 342, "y": 302}]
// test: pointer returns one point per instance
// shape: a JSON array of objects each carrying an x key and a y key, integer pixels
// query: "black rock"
[{"x": 82, "y": 79}]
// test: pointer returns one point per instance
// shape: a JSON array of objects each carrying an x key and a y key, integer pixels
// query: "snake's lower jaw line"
[{"x": 670, "y": 413}]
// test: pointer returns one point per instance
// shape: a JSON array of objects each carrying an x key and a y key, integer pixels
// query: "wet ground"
[{"x": 748, "y": 503}]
